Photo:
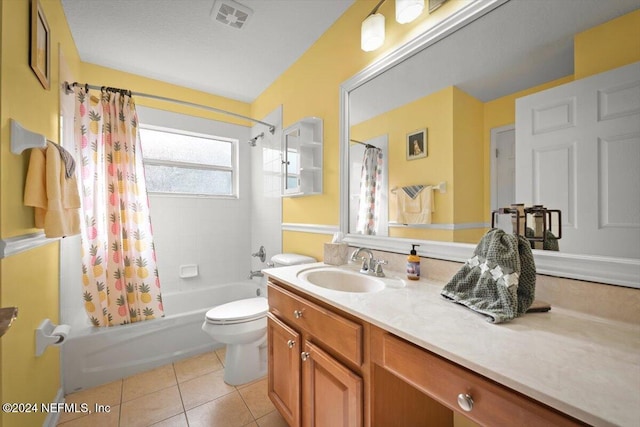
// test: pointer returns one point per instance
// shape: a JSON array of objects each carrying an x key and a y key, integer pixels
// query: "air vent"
[{"x": 231, "y": 13}]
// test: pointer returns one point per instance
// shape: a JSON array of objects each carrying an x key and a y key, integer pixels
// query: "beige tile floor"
[{"x": 187, "y": 393}]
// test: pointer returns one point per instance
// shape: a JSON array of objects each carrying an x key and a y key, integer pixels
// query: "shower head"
[{"x": 252, "y": 141}]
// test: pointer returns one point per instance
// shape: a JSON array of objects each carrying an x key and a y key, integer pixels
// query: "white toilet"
[{"x": 242, "y": 326}]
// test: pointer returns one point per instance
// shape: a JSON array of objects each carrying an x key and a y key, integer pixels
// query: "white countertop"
[{"x": 583, "y": 366}]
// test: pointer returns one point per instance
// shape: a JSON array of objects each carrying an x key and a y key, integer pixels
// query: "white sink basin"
[{"x": 338, "y": 279}]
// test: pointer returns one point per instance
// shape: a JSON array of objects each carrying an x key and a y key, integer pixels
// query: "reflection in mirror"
[
  {"x": 462, "y": 89},
  {"x": 291, "y": 161},
  {"x": 368, "y": 186}
]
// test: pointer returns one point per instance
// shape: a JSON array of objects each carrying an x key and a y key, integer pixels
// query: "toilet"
[{"x": 242, "y": 326}]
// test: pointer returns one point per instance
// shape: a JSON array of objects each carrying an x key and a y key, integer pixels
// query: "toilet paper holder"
[{"x": 49, "y": 334}]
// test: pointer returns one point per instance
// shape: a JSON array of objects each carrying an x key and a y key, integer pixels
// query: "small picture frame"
[
  {"x": 417, "y": 144},
  {"x": 40, "y": 55},
  {"x": 434, "y": 4}
]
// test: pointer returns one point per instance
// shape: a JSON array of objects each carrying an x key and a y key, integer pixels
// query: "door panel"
[
  {"x": 332, "y": 393},
  {"x": 284, "y": 369},
  {"x": 578, "y": 150}
]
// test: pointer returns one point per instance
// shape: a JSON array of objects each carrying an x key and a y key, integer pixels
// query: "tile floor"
[{"x": 187, "y": 393}]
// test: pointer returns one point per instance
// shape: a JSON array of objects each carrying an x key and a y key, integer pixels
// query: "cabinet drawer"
[
  {"x": 443, "y": 381},
  {"x": 340, "y": 334}
]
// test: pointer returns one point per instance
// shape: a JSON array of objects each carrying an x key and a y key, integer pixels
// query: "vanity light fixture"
[
  {"x": 408, "y": 10},
  {"x": 372, "y": 30}
]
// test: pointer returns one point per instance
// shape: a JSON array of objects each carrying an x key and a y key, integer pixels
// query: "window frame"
[{"x": 234, "y": 168}]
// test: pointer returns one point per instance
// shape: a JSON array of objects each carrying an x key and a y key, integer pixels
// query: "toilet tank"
[{"x": 283, "y": 260}]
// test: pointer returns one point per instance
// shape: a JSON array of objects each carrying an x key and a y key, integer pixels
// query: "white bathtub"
[{"x": 93, "y": 356}]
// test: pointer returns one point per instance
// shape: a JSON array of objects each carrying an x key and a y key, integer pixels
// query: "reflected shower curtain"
[
  {"x": 370, "y": 181},
  {"x": 119, "y": 274}
]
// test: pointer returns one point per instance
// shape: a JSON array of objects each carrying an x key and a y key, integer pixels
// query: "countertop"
[{"x": 583, "y": 366}]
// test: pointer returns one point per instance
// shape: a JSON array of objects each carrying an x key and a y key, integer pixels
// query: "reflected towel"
[
  {"x": 549, "y": 243},
  {"x": 53, "y": 195},
  {"x": 414, "y": 205}
]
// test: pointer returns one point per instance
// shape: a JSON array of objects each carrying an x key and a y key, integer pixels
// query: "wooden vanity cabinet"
[
  {"x": 487, "y": 403},
  {"x": 317, "y": 362}
]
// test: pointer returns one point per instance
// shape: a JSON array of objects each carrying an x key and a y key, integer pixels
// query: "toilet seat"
[{"x": 240, "y": 311}]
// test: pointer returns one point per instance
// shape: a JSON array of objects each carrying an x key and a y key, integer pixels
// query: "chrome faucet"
[
  {"x": 371, "y": 266},
  {"x": 355, "y": 256},
  {"x": 255, "y": 273}
]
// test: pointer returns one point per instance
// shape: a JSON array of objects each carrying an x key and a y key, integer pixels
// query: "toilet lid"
[{"x": 243, "y": 310}]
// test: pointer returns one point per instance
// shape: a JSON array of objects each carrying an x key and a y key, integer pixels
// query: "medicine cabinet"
[{"x": 302, "y": 158}]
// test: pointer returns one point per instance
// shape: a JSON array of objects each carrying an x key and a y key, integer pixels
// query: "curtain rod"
[
  {"x": 68, "y": 90},
  {"x": 363, "y": 143}
]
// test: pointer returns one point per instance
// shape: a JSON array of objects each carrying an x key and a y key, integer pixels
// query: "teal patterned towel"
[
  {"x": 413, "y": 190},
  {"x": 499, "y": 281}
]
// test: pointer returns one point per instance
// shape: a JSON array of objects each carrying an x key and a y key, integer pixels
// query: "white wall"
[
  {"x": 266, "y": 182},
  {"x": 214, "y": 233}
]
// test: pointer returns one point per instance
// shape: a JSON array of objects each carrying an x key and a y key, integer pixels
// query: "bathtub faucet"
[{"x": 256, "y": 273}]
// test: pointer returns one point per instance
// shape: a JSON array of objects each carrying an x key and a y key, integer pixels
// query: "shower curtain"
[
  {"x": 119, "y": 273},
  {"x": 370, "y": 182}
]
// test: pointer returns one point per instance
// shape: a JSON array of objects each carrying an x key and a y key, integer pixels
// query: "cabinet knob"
[
  {"x": 291, "y": 343},
  {"x": 297, "y": 314},
  {"x": 304, "y": 355},
  {"x": 465, "y": 402}
]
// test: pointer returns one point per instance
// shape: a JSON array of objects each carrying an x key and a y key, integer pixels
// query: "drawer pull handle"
[
  {"x": 304, "y": 356},
  {"x": 465, "y": 402},
  {"x": 297, "y": 314},
  {"x": 291, "y": 343}
]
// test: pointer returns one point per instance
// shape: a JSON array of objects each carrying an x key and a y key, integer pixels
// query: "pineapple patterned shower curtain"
[
  {"x": 119, "y": 274},
  {"x": 370, "y": 182}
]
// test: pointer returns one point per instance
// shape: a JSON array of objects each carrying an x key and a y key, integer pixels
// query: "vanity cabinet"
[
  {"x": 302, "y": 158},
  {"x": 479, "y": 399},
  {"x": 317, "y": 363}
]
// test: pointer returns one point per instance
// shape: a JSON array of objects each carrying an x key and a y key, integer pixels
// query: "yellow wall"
[
  {"x": 607, "y": 46},
  {"x": 433, "y": 112},
  {"x": 454, "y": 121},
  {"x": 310, "y": 87},
  {"x": 30, "y": 280},
  {"x": 467, "y": 154}
]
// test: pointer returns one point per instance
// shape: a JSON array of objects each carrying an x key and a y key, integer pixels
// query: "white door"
[
  {"x": 503, "y": 173},
  {"x": 578, "y": 150}
]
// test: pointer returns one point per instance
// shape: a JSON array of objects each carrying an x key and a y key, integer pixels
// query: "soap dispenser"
[{"x": 413, "y": 264}]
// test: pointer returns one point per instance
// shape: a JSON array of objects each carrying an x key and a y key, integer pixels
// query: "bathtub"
[{"x": 93, "y": 356}]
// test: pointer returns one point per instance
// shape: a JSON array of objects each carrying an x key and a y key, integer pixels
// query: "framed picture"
[
  {"x": 434, "y": 4},
  {"x": 40, "y": 58},
  {"x": 417, "y": 144}
]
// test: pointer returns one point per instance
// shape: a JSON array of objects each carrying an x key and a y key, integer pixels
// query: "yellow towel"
[
  {"x": 54, "y": 197},
  {"x": 417, "y": 210}
]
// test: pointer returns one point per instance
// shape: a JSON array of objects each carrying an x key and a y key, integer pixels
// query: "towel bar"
[
  {"x": 442, "y": 187},
  {"x": 22, "y": 139}
]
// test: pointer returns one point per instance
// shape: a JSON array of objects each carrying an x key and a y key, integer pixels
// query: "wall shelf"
[{"x": 302, "y": 145}]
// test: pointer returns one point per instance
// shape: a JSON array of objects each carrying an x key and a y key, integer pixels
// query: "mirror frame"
[{"x": 600, "y": 269}]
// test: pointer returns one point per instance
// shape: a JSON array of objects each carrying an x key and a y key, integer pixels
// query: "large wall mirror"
[{"x": 458, "y": 81}]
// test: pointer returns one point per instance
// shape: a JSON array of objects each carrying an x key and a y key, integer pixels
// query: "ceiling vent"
[{"x": 231, "y": 13}]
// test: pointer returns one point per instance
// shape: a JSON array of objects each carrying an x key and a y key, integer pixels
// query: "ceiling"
[
  {"x": 521, "y": 44},
  {"x": 177, "y": 41}
]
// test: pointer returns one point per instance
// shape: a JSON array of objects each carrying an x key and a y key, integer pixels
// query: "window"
[{"x": 179, "y": 162}]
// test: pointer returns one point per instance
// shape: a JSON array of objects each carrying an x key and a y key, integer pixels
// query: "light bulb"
[
  {"x": 372, "y": 32},
  {"x": 408, "y": 10}
]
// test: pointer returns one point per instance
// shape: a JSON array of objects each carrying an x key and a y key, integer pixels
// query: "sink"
[{"x": 338, "y": 279}]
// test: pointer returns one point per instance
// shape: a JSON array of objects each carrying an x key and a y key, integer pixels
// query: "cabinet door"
[
  {"x": 284, "y": 369},
  {"x": 332, "y": 394}
]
